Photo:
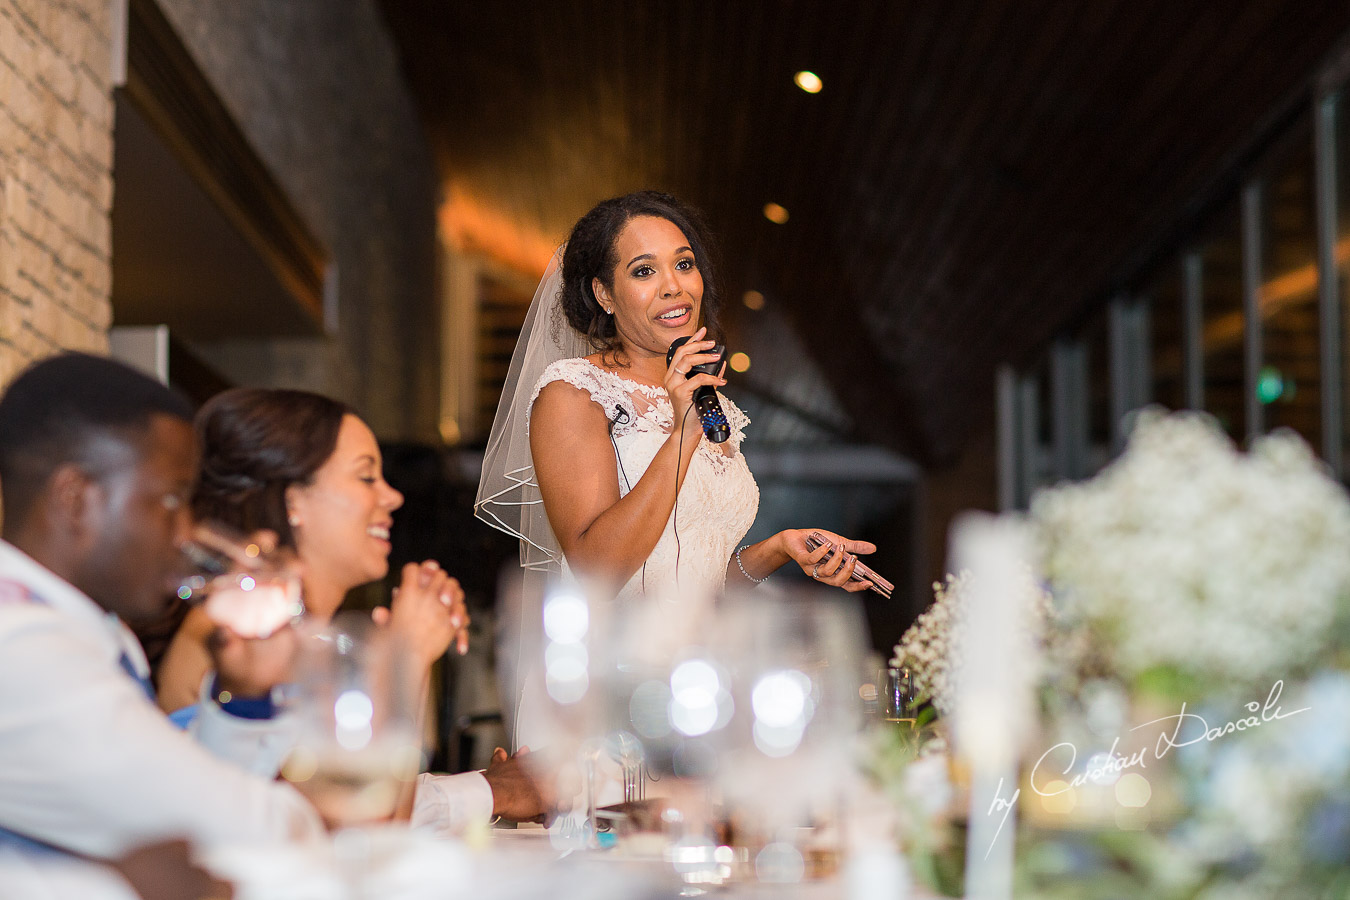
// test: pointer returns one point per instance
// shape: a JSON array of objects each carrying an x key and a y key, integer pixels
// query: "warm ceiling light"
[
  {"x": 753, "y": 300},
  {"x": 808, "y": 81},
  {"x": 739, "y": 362},
  {"x": 775, "y": 213}
]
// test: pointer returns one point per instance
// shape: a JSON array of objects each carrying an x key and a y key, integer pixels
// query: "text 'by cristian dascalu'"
[{"x": 1062, "y": 758}]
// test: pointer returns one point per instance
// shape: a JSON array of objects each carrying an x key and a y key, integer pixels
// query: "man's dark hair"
[{"x": 58, "y": 408}]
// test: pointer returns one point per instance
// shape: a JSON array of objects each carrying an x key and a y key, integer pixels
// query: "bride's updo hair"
[
  {"x": 590, "y": 253},
  {"x": 256, "y": 443}
]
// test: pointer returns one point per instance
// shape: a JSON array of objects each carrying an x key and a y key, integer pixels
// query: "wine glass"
[
  {"x": 554, "y": 696},
  {"x": 244, "y": 581},
  {"x": 796, "y": 661},
  {"x": 357, "y": 748}
]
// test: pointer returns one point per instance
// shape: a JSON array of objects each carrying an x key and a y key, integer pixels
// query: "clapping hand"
[{"x": 428, "y": 612}]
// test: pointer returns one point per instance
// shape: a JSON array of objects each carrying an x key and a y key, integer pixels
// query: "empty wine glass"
[
  {"x": 796, "y": 663},
  {"x": 550, "y": 675}
]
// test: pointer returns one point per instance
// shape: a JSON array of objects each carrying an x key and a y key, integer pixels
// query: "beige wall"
[{"x": 56, "y": 185}]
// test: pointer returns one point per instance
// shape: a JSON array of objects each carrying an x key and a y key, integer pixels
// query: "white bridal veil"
[{"x": 508, "y": 493}]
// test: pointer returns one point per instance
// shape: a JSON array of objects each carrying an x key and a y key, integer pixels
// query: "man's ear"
[{"x": 72, "y": 498}]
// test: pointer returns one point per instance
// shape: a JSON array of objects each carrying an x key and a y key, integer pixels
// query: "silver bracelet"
[{"x": 740, "y": 566}]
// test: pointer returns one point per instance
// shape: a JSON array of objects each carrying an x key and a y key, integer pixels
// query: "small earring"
[{"x": 293, "y": 520}]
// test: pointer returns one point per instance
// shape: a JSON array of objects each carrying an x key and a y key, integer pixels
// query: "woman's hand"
[
  {"x": 681, "y": 387},
  {"x": 428, "y": 612},
  {"x": 838, "y": 570}
]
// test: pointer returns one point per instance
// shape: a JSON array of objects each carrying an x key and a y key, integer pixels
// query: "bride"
[{"x": 596, "y": 460}]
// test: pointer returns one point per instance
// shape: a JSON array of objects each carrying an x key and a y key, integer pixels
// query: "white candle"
[{"x": 993, "y": 691}]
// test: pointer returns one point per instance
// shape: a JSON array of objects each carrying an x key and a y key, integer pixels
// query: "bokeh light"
[{"x": 808, "y": 81}]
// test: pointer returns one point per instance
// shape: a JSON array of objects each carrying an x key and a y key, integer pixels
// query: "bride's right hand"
[{"x": 680, "y": 386}]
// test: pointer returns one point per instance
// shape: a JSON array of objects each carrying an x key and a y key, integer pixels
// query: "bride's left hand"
[{"x": 837, "y": 570}]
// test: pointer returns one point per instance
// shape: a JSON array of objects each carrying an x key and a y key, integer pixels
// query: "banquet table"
[{"x": 504, "y": 864}]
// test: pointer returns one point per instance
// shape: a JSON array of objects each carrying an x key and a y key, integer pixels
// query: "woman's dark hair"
[
  {"x": 590, "y": 253},
  {"x": 255, "y": 444}
]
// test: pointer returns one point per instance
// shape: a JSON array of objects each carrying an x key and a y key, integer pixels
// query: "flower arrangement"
[
  {"x": 1185, "y": 556},
  {"x": 1185, "y": 576},
  {"x": 932, "y": 646}
]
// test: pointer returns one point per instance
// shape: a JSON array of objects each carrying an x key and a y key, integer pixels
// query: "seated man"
[{"x": 96, "y": 465}]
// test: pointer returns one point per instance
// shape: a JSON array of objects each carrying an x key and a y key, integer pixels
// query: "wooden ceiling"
[{"x": 973, "y": 174}]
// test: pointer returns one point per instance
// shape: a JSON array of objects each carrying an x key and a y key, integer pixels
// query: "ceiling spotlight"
[
  {"x": 808, "y": 81},
  {"x": 775, "y": 213},
  {"x": 753, "y": 300},
  {"x": 739, "y": 362}
]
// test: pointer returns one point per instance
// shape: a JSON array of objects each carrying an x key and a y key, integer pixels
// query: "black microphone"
[{"x": 705, "y": 398}]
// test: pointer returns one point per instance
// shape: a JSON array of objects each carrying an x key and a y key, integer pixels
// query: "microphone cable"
[
  {"x": 621, "y": 417},
  {"x": 675, "y": 514}
]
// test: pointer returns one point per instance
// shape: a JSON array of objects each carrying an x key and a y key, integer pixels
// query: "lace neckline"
[{"x": 651, "y": 390}]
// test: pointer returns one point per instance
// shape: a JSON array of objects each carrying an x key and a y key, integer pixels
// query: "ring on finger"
[{"x": 815, "y": 571}]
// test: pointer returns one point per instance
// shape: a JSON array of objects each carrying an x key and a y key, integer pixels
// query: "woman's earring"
[{"x": 293, "y": 520}]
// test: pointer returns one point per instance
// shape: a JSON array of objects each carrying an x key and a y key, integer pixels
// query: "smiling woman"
[
  {"x": 308, "y": 469},
  {"x": 595, "y": 461}
]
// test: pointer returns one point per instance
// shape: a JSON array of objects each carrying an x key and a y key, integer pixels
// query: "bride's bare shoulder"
[{"x": 564, "y": 398}]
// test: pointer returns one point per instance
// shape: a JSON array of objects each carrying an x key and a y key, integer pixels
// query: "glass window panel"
[
  {"x": 1288, "y": 383},
  {"x": 1342, "y": 132},
  {"x": 1096, "y": 338},
  {"x": 1167, "y": 385},
  {"x": 1037, "y": 439},
  {"x": 1222, "y": 318}
]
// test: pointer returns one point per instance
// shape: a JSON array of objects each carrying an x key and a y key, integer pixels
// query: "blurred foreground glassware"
[
  {"x": 244, "y": 581},
  {"x": 550, "y": 671},
  {"x": 357, "y": 746},
  {"x": 898, "y": 701},
  {"x": 796, "y": 662},
  {"x": 599, "y": 699}
]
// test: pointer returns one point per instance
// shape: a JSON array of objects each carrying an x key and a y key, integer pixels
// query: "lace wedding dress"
[
  {"x": 716, "y": 507},
  {"x": 717, "y": 502}
]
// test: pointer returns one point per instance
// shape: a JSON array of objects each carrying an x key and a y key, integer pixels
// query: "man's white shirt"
[{"x": 87, "y": 762}]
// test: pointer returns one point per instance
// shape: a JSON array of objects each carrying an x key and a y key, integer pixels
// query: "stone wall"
[
  {"x": 56, "y": 187},
  {"x": 316, "y": 87}
]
